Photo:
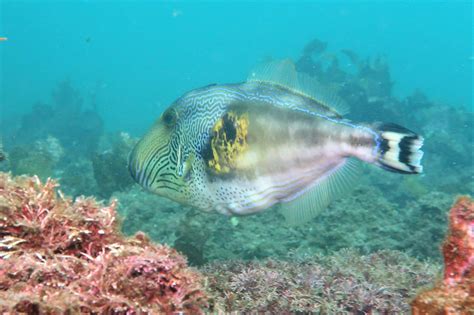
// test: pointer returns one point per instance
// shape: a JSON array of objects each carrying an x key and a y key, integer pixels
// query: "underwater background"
[{"x": 81, "y": 81}]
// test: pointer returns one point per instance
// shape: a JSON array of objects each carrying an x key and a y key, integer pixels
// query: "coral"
[
  {"x": 455, "y": 294},
  {"x": 63, "y": 256},
  {"x": 343, "y": 283}
]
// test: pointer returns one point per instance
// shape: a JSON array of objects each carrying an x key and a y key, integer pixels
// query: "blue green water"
[
  {"x": 75, "y": 73},
  {"x": 81, "y": 82},
  {"x": 138, "y": 56}
]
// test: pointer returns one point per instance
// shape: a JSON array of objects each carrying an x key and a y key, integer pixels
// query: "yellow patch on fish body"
[{"x": 228, "y": 142}]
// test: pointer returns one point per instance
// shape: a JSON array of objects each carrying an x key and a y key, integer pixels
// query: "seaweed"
[
  {"x": 63, "y": 256},
  {"x": 344, "y": 282},
  {"x": 78, "y": 129},
  {"x": 110, "y": 167}
]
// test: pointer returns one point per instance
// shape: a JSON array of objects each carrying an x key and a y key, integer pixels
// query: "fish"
[{"x": 279, "y": 138}]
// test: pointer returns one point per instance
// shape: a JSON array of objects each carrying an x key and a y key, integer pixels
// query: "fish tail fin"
[{"x": 399, "y": 149}]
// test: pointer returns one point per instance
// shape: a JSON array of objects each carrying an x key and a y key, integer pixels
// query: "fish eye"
[{"x": 169, "y": 117}]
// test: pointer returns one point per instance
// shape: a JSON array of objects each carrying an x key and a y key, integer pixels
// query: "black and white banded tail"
[{"x": 399, "y": 149}]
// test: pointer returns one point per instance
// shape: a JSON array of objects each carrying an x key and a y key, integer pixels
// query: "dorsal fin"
[{"x": 283, "y": 73}]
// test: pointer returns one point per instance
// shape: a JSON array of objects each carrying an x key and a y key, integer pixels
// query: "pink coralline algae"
[
  {"x": 458, "y": 249},
  {"x": 455, "y": 294},
  {"x": 64, "y": 256}
]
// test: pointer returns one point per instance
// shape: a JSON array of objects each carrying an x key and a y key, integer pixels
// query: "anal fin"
[{"x": 301, "y": 208}]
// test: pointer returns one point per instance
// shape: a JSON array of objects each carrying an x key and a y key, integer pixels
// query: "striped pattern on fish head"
[{"x": 169, "y": 160}]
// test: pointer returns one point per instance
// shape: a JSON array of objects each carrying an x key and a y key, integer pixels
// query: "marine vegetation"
[
  {"x": 64, "y": 138},
  {"x": 66, "y": 118},
  {"x": 364, "y": 83},
  {"x": 110, "y": 166},
  {"x": 59, "y": 255},
  {"x": 3, "y": 155},
  {"x": 383, "y": 211},
  {"x": 345, "y": 282},
  {"x": 63, "y": 256},
  {"x": 53, "y": 247},
  {"x": 41, "y": 159},
  {"x": 365, "y": 221},
  {"x": 455, "y": 293}
]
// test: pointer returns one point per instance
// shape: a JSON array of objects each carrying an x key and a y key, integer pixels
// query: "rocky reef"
[
  {"x": 455, "y": 294},
  {"x": 394, "y": 224},
  {"x": 65, "y": 139},
  {"x": 63, "y": 256},
  {"x": 364, "y": 220},
  {"x": 59, "y": 255},
  {"x": 90, "y": 161}
]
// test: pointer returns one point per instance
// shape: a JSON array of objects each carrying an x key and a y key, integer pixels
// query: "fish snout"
[{"x": 154, "y": 169}]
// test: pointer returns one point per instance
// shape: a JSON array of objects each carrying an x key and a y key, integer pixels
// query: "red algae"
[
  {"x": 60, "y": 256},
  {"x": 455, "y": 294},
  {"x": 458, "y": 249}
]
